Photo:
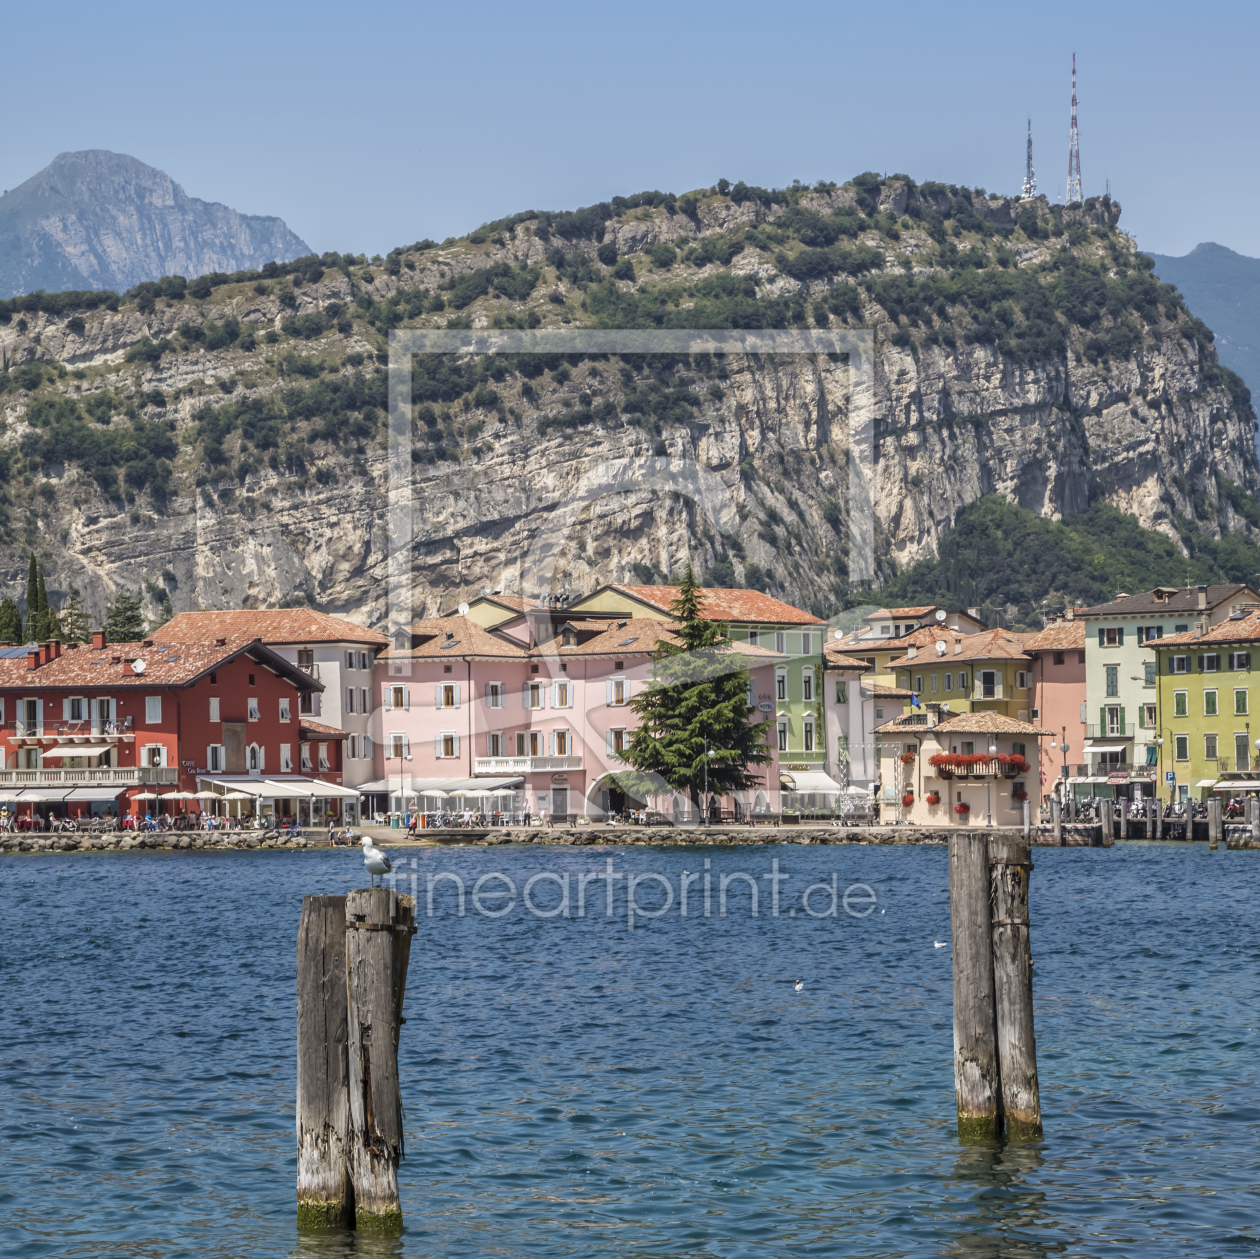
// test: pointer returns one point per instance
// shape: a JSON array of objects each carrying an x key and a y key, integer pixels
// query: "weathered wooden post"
[
  {"x": 1253, "y": 818},
  {"x": 378, "y": 926},
  {"x": 1149, "y": 808},
  {"x": 977, "y": 1089},
  {"x": 1010, "y": 867},
  {"x": 325, "y": 1198},
  {"x": 1159, "y": 818},
  {"x": 1214, "y": 820},
  {"x": 1056, "y": 819},
  {"x": 1106, "y": 818},
  {"x": 1122, "y": 806}
]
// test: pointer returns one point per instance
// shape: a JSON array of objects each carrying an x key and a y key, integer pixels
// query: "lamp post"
[
  {"x": 402, "y": 794},
  {"x": 988, "y": 787},
  {"x": 707, "y": 754}
]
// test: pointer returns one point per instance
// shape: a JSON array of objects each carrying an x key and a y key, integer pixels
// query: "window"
[
  {"x": 306, "y": 703},
  {"x": 807, "y": 685},
  {"x": 780, "y": 686},
  {"x": 363, "y": 699},
  {"x": 807, "y": 644},
  {"x": 949, "y": 681},
  {"x": 285, "y": 714},
  {"x": 962, "y": 681},
  {"x": 323, "y": 756},
  {"x": 1110, "y": 637},
  {"x": 1060, "y": 657},
  {"x": 934, "y": 680},
  {"x": 494, "y": 745},
  {"x": 1209, "y": 747},
  {"x": 1209, "y": 662},
  {"x": 989, "y": 684},
  {"x": 535, "y": 743},
  {"x": 448, "y": 744},
  {"x": 1242, "y": 751},
  {"x": 1080, "y": 657},
  {"x": 1152, "y": 754},
  {"x": 969, "y": 748},
  {"x": 1240, "y": 703},
  {"x": 363, "y": 660},
  {"x": 397, "y": 750},
  {"x": 254, "y": 759},
  {"x": 780, "y": 642},
  {"x": 879, "y": 714},
  {"x": 1018, "y": 749},
  {"x": 1181, "y": 703},
  {"x": 842, "y": 692},
  {"x": 752, "y": 638},
  {"x": 616, "y": 692},
  {"x": 286, "y": 757},
  {"x": 304, "y": 750},
  {"x": 918, "y": 684},
  {"x": 1209, "y": 703},
  {"x": 352, "y": 747},
  {"x": 1023, "y": 679},
  {"x": 562, "y": 695},
  {"x": 253, "y": 708},
  {"x": 1113, "y": 722},
  {"x": 1181, "y": 664},
  {"x": 809, "y": 736},
  {"x": 397, "y": 697},
  {"x": 349, "y": 660},
  {"x": 496, "y": 695},
  {"x": 885, "y": 629},
  {"x": 1149, "y": 667},
  {"x": 214, "y": 758},
  {"x": 783, "y": 736},
  {"x": 560, "y": 742},
  {"x": 1240, "y": 660},
  {"x": 214, "y": 679},
  {"x": 619, "y": 664},
  {"x": 1147, "y": 713},
  {"x": 535, "y": 695},
  {"x": 1113, "y": 679},
  {"x": 447, "y": 695},
  {"x": 1181, "y": 747},
  {"x": 349, "y": 699},
  {"x": 616, "y": 741},
  {"x": 74, "y": 708},
  {"x": 152, "y": 710},
  {"x": 1181, "y": 629},
  {"x": 305, "y": 660}
]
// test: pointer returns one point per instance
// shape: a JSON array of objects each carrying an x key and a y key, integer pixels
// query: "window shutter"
[
  {"x": 608, "y": 742},
  {"x": 437, "y": 696},
  {"x": 1200, "y": 660},
  {"x": 1120, "y": 637},
  {"x": 437, "y": 744},
  {"x": 608, "y": 691},
  {"x": 525, "y": 694},
  {"x": 555, "y": 695},
  {"x": 406, "y": 745},
  {"x": 367, "y": 747},
  {"x": 458, "y": 693},
  {"x": 1122, "y": 721},
  {"x": 551, "y": 743},
  {"x": 488, "y": 696},
  {"x": 457, "y": 745},
  {"x": 1102, "y": 636},
  {"x": 65, "y": 710},
  {"x": 1102, "y": 720},
  {"x": 406, "y": 697}
]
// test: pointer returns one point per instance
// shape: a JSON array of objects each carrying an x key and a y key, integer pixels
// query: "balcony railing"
[
  {"x": 980, "y": 767},
  {"x": 79, "y": 777},
  {"x": 524, "y": 764},
  {"x": 1110, "y": 731},
  {"x": 311, "y": 670}
]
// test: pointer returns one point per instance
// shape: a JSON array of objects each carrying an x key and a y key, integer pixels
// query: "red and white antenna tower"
[{"x": 1074, "y": 150}]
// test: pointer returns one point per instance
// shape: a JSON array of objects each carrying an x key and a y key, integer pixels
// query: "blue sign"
[{"x": 1169, "y": 776}]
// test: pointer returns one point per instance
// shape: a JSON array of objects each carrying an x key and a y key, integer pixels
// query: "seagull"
[
  {"x": 940, "y": 944},
  {"x": 800, "y": 983},
  {"x": 375, "y": 860}
]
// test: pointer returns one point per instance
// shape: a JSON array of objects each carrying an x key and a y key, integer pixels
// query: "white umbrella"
[
  {"x": 239, "y": 795},
  {"x": 146, "y": 795},
  {"x": 180, "y": 795},
  {"x": 205, "y": 795}
]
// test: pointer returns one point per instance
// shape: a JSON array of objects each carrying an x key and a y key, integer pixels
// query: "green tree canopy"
[
  {"x": 124, "y": 621},
  {"x": 699, "y": 690},
  {"x": 75, "y": 626},
  {"x": 30, "y": 628},
  {"x": 10, "y": 622}
]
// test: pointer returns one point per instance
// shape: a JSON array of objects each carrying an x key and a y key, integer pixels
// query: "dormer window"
[{"x": 568, "y": 639}]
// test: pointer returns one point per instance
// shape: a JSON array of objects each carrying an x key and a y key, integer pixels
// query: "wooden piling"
[
  {"x": 1122, "y": 808},
  {"x": 378, "y": 925},
  {"x": 325, "y": 1196},
  {"x": 1253, "y": 820},
  {"x": 977, "y": 1088},
  {"x": 1056, "y": 819},
  {"x": 1107, "y": 818},
  {"x": 1010, "y": 867},
  {"x": 1159, "y": 818},
  {"x": 1214, "y": 821}
]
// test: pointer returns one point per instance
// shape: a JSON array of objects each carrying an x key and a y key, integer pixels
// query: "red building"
[{"x": 100, "y": 728}]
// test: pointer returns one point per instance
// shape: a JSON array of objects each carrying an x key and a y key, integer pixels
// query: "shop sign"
[{"x": 559, "y": 778}]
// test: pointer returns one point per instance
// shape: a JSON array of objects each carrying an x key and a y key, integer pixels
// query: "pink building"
[
  {"x": 1057, "y": 697},
  {"x": 537, "y": 723}
]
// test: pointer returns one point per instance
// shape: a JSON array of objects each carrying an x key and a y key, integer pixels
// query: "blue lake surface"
[{"x": 574, "y": 1088}]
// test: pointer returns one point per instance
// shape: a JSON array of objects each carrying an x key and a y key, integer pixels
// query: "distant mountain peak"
[{"x": 94, "y": 219}]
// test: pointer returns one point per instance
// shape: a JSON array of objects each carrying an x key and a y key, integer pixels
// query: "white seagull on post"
[{"x": 375, "y": 860}]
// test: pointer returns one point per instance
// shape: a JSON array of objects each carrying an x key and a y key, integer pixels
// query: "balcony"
[
  {"x": 1110, "y": 731},
  {"x": 953, "y": 765},
  {"x": 525, "y": 764},
  {"x": 81, "y": 777}
]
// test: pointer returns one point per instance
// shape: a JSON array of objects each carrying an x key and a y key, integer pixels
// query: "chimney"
[
  {"x": 98, "y": 639},
  {"x": 958, "y": 646},
  {"x": 220, "y": 642},
  {"x": 1203, "y": 596},
  {"x": 912, "y": 651},
  {"x": 32, "y": 658},
  {"x": 1070, "y": 614},
  {"x": 128, "y": 671},
  {"x": 44, "y": 653}
]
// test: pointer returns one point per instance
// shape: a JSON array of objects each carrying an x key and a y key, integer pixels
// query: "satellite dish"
[
  {"x": 463, "y": 609},
  {"x": 138, "y": 666},
  {"x": 940, "y": 614},
  {"x": 945, "y": 707},
  {"x": 839, "y": 633},
  {"x": 940, "y": 648}
]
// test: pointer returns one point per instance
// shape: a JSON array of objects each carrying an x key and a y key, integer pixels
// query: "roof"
[
  {"x": 843, "y": 660},
  {"x": 990, "y": 723},
  {"x": 165, "y": 664},
  {"x": 881, "y": 613},
  {"x": 1061, "y": 636},
  {"x": 443, "y": 637},
  {"x": 885, "y": 692},
  {"x": 1243, "y": 627},
  {"x": 632, "y": 636},
  {"x": 994, "y": 644},
  {"x": 1176, "y": 599},
  {"x": 718, "y": 603},
  {"x": 318, "y": 731},
  {"x": 272, "y": 625}
]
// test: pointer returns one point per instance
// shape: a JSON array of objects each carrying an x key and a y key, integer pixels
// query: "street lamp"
[
  {"x": 707, "y": 755},
  {"x": 988, "y": 787}
]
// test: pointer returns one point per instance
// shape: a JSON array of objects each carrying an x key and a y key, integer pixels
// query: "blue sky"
[{"x": 375, "y": 125}]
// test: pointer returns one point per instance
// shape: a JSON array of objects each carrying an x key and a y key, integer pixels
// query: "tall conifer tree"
[{"x": 31, "y": 626}]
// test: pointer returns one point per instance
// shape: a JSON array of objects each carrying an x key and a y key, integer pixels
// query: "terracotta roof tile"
[
  {"x": 272, "y": 625},
  {"x": 317, "y": 729},
  {"x": 1244, "y": 629},
  {"x": 881, "y": 613},
  {"x": 722, "y": 604},
  {"x": 996, "y": 644},
  {"x": 446, "y": 636},
  {"x": 1061, "y": 636},
  {"x": 1176, "y": 599},
  {"x": 991, "y": 723}
]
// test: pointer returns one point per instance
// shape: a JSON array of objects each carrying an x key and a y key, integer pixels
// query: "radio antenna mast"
[
  {"x": 1030, "y": 176},
  {"x": 1074, "y": 149}
]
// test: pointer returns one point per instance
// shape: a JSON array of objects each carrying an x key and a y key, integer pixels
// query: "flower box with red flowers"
[
  {"x": 908, "y": 799},
  {"x": 962, "y": 809},
  {"x": 932, "y": 798}
]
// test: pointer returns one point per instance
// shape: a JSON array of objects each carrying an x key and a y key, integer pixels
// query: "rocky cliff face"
[
  {"x": 100, "y": 220},
  {"x": 256, "y": 472}
]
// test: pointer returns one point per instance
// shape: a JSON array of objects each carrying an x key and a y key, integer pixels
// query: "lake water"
[{"x": 574, "y": 1088}]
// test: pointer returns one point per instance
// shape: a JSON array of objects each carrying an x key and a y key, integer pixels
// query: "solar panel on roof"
[
  {"x": 626, "y": 642},
  {"x": 12, "y": 653}
]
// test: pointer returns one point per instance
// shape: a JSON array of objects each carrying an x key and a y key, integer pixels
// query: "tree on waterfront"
[
  {"x": 124, "y": 621},
  {"x": 699, "y": 689}
]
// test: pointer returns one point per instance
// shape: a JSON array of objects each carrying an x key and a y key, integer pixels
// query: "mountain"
[
  {"x": 100, "y": 220},
  {"x": 1223, "y": 288},
  {"x": 225, "y": 443}
]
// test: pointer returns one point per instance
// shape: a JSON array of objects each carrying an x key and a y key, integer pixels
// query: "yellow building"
[{"x": 985, "y": 672}]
